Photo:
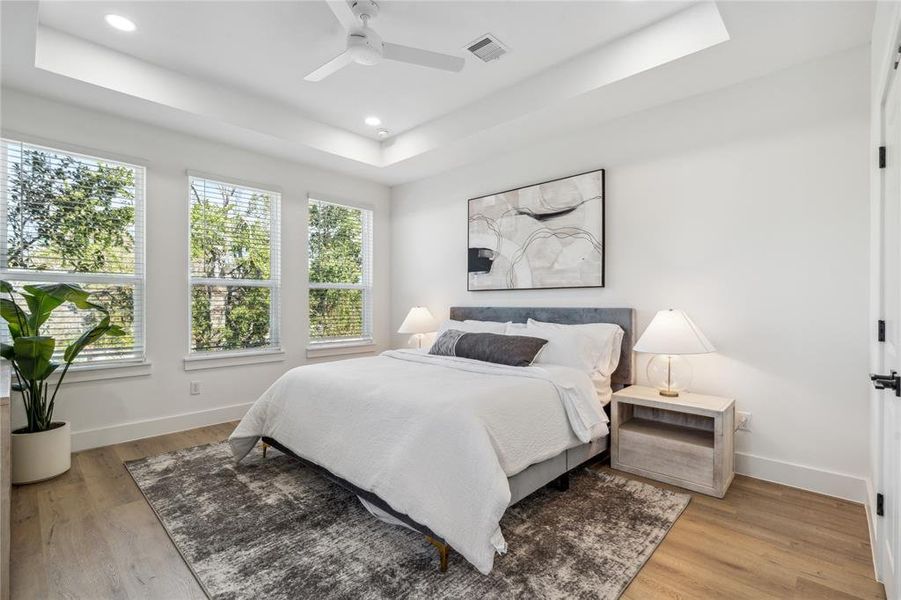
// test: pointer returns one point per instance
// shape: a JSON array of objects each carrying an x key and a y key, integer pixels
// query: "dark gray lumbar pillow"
[{"x": 513, "y": 350}]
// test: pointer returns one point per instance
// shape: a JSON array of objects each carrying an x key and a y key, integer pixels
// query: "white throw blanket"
[{"x": 435, "y": 437}]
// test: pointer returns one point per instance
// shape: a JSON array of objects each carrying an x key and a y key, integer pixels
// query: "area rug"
[{"x": 271, "y": 528}]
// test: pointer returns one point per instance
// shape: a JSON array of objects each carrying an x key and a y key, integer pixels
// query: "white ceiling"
[
  {"x": 266, "y": 48},
  {"x": 233, "y": 71}
]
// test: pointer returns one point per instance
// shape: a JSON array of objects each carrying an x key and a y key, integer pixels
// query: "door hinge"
[
  {"x": 880, "y": 505},
  {"x": 881, "y": 157},
  {"x": 880, "y": 330}
]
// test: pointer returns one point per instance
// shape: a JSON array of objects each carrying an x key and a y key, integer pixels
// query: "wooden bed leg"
[
  {"x": 443, "y": 551},
  {"x": 265, "y": 447},
  {"x": 561, "y": 484}
]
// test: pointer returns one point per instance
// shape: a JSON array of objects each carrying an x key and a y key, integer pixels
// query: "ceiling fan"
[{"x": 365, "y": 46}]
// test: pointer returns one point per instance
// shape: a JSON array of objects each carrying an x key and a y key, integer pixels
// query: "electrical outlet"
[
  {"x": 742, "y": 420},
  {"x": 195, "y": 388}
]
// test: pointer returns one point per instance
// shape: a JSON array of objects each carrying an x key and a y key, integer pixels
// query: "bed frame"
[{"x": 552, "y": 471}]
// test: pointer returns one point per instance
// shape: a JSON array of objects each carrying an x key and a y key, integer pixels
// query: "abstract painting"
[{"x": 549, "y": 235}]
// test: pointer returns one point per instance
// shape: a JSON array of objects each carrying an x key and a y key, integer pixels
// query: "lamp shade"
[
  {"x": 672, "y": 332},
  {"x": 419, "y": 320}
]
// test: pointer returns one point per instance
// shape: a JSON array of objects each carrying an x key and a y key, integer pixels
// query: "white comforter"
[{"x": 434, "y": 437}]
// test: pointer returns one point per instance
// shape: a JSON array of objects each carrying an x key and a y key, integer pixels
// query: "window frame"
[
  {"x": 138, "y": 279},
  {"x": 201, "y": 359},
  {"x": 317, "y": 347}
]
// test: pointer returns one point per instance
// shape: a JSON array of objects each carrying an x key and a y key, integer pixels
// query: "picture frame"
[{"x": 547, "y": 235}]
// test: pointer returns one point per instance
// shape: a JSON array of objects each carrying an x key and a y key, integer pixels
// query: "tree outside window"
[
  {"x": 70, "y": 218},
  {"x": 234, "y": 267},
  {"x": 340, "y": 272}
]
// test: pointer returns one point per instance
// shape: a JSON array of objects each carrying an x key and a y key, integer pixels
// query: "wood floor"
[{"x": 90, "y": 534}]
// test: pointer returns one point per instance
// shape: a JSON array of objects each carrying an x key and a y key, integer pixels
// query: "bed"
[{"x": 437, "y": 444}]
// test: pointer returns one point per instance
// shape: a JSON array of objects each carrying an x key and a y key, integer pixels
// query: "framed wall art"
[{"x": 543, "y": 236}]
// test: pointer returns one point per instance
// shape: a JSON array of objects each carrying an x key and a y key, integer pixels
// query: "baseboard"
[
  {"x": 838, "y": 485},
  {"x": 135, "y": 430}
]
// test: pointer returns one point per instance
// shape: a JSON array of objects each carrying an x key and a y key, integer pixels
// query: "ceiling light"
[
  {"x": 373, "y": 121},
  {"x": 382, "y": 132},
  {"x": 121, "y": 23}
]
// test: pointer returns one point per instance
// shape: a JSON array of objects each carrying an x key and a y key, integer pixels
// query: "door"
[{"x": 888, "y": 538}]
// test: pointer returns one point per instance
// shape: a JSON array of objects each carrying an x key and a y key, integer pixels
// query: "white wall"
[
  {"x": 747, "y": 207},
  {"x": 113, "y": 410}
]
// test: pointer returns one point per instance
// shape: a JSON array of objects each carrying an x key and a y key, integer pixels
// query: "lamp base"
[{"x": 669, "y": 374}]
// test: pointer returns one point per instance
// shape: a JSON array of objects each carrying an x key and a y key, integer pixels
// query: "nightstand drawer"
[{"x": 678, "y": 452}]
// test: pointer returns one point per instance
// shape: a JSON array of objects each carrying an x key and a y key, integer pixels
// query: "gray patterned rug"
[{"x": 270, "y": 528}]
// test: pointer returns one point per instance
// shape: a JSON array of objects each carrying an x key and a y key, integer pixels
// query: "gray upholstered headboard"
[{"x": 624, "y": 317}]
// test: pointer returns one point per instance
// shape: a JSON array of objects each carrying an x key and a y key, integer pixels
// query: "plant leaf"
[
  {"x": 115, "y": 330},
  {"x": 6, "y": 287},
  {"x": 44, "y": 299},
  {"x": 40, "y": 305},
  {"x": 14, "y": 317},
  {"x": 32, "y": 355},
  {"x": 88, "y": 337},
  {"x": 65, "y": 292},
  {"x": 7, "y": 352}
]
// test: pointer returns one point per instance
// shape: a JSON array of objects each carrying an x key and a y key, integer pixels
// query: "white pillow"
[
  {"x": 590, "y": 347},
  {"x": 489, "y": 326},
  {"x": 472, "y": 326}
]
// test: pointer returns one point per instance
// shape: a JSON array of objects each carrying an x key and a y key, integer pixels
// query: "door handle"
[{"x": 887, "y": 382}]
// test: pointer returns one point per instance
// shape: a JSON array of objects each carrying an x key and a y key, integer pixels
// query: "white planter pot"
[{"x": 42, "y": 455}]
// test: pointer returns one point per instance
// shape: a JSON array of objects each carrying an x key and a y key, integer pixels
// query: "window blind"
[
  {"x": 340, "y": 272},
  {"x": 72, "y": 218},
  {"x": 234, "y": 266}
]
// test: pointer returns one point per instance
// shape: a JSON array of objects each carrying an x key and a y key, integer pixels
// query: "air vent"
[{"x": 487, "y": 48}]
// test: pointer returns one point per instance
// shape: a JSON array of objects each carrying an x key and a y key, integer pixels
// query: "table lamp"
[
  {"x": 670, "y": 335},
  {"x": 419, "y": 321}
]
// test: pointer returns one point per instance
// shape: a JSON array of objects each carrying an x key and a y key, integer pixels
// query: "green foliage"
[
  {"x": 230, "y": 239},
  {"x": 31, "y": 354},
  {"x": 68, "y": 215},
  {"x": 75, "y": 215},
  {"x": 336, "y": 313},
  {"x": 229, "y": 317},
  {"x": 335, "y": 244},
  {"x": 336, "y": 256}
]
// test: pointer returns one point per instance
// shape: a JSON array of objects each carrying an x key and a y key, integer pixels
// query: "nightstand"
[{"x": 686, "y": 441}]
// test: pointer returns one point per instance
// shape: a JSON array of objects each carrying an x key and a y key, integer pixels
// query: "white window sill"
[
  {"x": 323, "y": 349},
  {"x": 101, "y": 371},
  {"x": 218, "y": 360}
]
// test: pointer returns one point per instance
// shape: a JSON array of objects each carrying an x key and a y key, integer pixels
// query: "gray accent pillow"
[
  {"x": 444, "y": 345},
  {"x": 513, "y": 350}
]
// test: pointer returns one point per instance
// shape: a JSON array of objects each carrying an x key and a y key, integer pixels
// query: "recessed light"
[
  {"x": 373, "y": 121},
  {"x": 121, "y": 23},
  {"x": 382, "y": 132}
]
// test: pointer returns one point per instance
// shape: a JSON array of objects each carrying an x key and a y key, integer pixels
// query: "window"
[
  {"x": 70, "y": 218},
  {"x": 340, "y": 239},
  {"x": 234, "y": 267}
]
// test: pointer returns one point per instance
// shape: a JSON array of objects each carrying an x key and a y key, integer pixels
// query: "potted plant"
[{"x": 43, "y": 448}]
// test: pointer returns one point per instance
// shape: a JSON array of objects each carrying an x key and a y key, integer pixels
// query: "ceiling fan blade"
[
  {"x": 340, "y": 61},
  {"x": 425, "y": 58},
  {"x": 344, "y": 14}
]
